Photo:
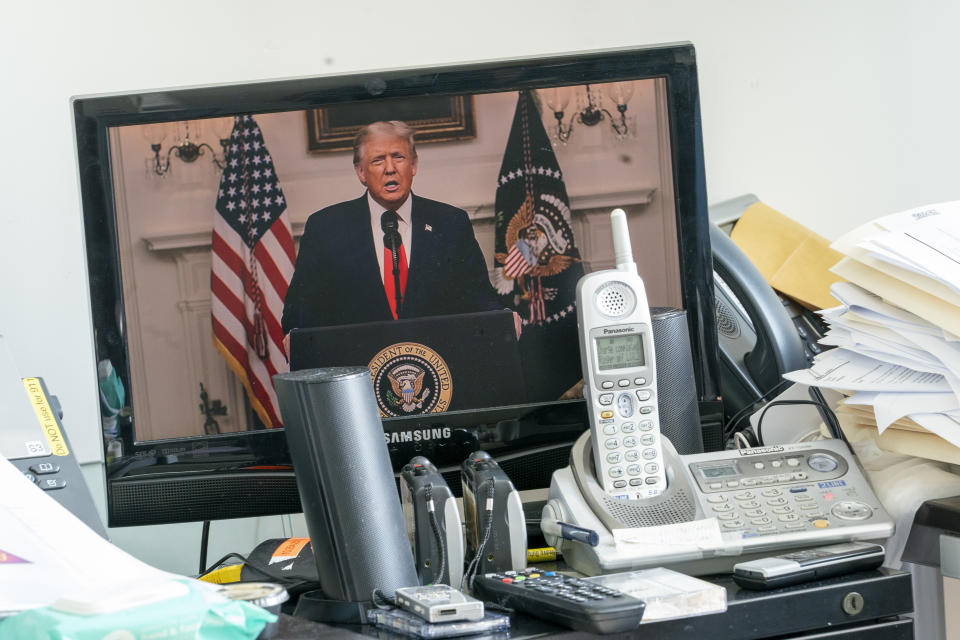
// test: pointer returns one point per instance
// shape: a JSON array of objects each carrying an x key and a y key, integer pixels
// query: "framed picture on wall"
[{"x": 434, "y": 118}]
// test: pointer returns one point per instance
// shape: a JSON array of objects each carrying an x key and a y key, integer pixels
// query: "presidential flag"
[
  {"x": 253, "y": 259},
  {"x": 537, "y": 264}
]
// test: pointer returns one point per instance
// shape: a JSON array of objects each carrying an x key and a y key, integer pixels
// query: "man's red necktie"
[{"x": 388, "y": 282}]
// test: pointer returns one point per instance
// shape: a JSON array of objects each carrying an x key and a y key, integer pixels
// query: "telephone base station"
[{"x": 754, "y": 502}]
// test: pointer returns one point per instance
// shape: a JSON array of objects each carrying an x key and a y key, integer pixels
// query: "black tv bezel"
[{"x": 244, "y": 451}]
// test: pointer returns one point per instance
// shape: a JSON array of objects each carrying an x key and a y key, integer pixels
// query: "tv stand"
[{"x": 807, "y": 610}]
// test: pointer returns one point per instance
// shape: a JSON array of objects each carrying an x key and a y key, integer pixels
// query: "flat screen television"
[{"x": 584, "y": 133}]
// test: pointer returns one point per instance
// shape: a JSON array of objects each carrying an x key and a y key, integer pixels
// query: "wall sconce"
[
  {"x": 589, "y": 108},
  {"x": 183, "y": 147}
]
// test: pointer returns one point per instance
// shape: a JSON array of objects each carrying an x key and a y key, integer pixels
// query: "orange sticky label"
[{"x": 289, "y": 548}]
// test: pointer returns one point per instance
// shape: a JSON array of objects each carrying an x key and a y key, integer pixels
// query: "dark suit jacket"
[{"x": 337, "y": 278}]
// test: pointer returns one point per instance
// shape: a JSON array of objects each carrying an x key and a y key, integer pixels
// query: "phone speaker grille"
[
  {"x": 678, "y": 507},
  {"x": 616, "y": 299},
  {"x": 726, "y": 319}
]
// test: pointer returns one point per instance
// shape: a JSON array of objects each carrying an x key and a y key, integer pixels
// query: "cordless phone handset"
[{"x": 619, "y": 374}]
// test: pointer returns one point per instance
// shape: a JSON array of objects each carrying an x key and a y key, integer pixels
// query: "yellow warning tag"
[
  {"x": 45, "y": 414},
  {"x": 542, "y": 554}
]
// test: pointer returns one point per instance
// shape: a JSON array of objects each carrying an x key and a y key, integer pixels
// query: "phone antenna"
[{"x": 621, "y": 241}]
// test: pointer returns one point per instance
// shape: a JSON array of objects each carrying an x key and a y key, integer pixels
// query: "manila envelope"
[{"x": 794, "y": 260}]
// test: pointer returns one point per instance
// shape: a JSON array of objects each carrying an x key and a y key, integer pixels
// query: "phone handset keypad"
[
  {"x": 633, "y": 457},
  {"x": 623, "y": 396}
]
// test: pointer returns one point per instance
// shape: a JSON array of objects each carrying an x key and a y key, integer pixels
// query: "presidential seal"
[{"x": 410, "y": 378}]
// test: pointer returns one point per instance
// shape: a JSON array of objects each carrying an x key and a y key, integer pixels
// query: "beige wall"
[{"x": 833, "y": 113}]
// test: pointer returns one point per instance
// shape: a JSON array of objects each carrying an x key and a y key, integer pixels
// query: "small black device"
[
  {"x": 433, "y": 523},
  {"x": 33, "y": 439},
  {"x": 807, "y": 564},
  {"x": 496, "y": 527},
  {"x": 578, "y": 604},
  {"x": 347, "y": 490},
  {"x": 439, "y": 603}
]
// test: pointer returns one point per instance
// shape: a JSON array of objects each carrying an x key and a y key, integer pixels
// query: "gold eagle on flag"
[{"x": 548, "y": 261}]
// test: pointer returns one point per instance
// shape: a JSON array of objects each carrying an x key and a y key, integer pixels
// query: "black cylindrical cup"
[
  {"x": 676, "y": 386},
  {"x": 346, "y": 482}
]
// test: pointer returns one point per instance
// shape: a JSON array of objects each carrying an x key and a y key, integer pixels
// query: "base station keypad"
[{"x": 777, "y": 490}]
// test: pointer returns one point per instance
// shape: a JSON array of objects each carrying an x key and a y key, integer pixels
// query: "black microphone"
[{"x": 389, "y": 222}]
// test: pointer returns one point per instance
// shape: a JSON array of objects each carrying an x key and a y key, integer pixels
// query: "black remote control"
[
  {"x": 572, "y": 602},
  {"x": 808, "y": 564}
]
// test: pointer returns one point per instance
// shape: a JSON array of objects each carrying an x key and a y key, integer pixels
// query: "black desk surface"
[
  {"x": 750, "y": 614},
  {"x": 933, "y": 518}
]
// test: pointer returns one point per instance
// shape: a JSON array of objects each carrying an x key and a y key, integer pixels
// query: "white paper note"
[
  {"x": 50, "y": 553},
  {"x": 872, "y": 307},
  {"x": 883, "y": 350},
  {"x": 890, "y": 407},
  {"x": 946, "y": 425},
  {"x": 842, "y": 369},
  {"x": 694, "y": 535},
  {"x": 925, "y": 240},
  {"x": 947, "y": 353}
]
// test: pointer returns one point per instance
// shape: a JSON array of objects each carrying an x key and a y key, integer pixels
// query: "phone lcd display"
[
  {"x": 620, "y": 352},
  {"x": 718, "y": 472}
]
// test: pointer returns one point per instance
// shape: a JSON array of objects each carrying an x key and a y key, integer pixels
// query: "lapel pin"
[{"x": 427, "y": 227}]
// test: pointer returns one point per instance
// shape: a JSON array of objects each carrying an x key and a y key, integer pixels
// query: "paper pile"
[
  {"x": 898, "y": 354},
  {"x": 60, "y": 579},
  {"x": 47, "y": 554}
]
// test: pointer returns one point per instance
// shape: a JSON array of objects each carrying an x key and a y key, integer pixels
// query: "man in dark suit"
[{"x": 347, "y": 270}]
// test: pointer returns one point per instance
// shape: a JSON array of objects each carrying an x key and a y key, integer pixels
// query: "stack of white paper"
[
  {"x": 896, "y": 329},
  {"x": 50, "y": 557}
]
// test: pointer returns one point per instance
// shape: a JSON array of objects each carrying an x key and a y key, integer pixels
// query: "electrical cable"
[
  {"x": 378, "y": 598},
  {"x": 827, "y": 415},
  {"x": 435, "y": 525},
  {"x": 809, "y": 435},
  {"x": 731, "y": 426},
  {"x": 474, "y": 565},
  {"x": 486, "y": 533},
  {"x": 782, "y": 403},
  {"x": 204, "y": 543},
  {"x": 291, "y": 579},
  {"x": 742, "y": 439}
]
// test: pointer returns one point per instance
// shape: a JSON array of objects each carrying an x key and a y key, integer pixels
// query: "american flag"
[
  {"x": 536, "y": 260},
  {"x": 253, "y": 260},
  {"x": 520, "y": 260}
]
